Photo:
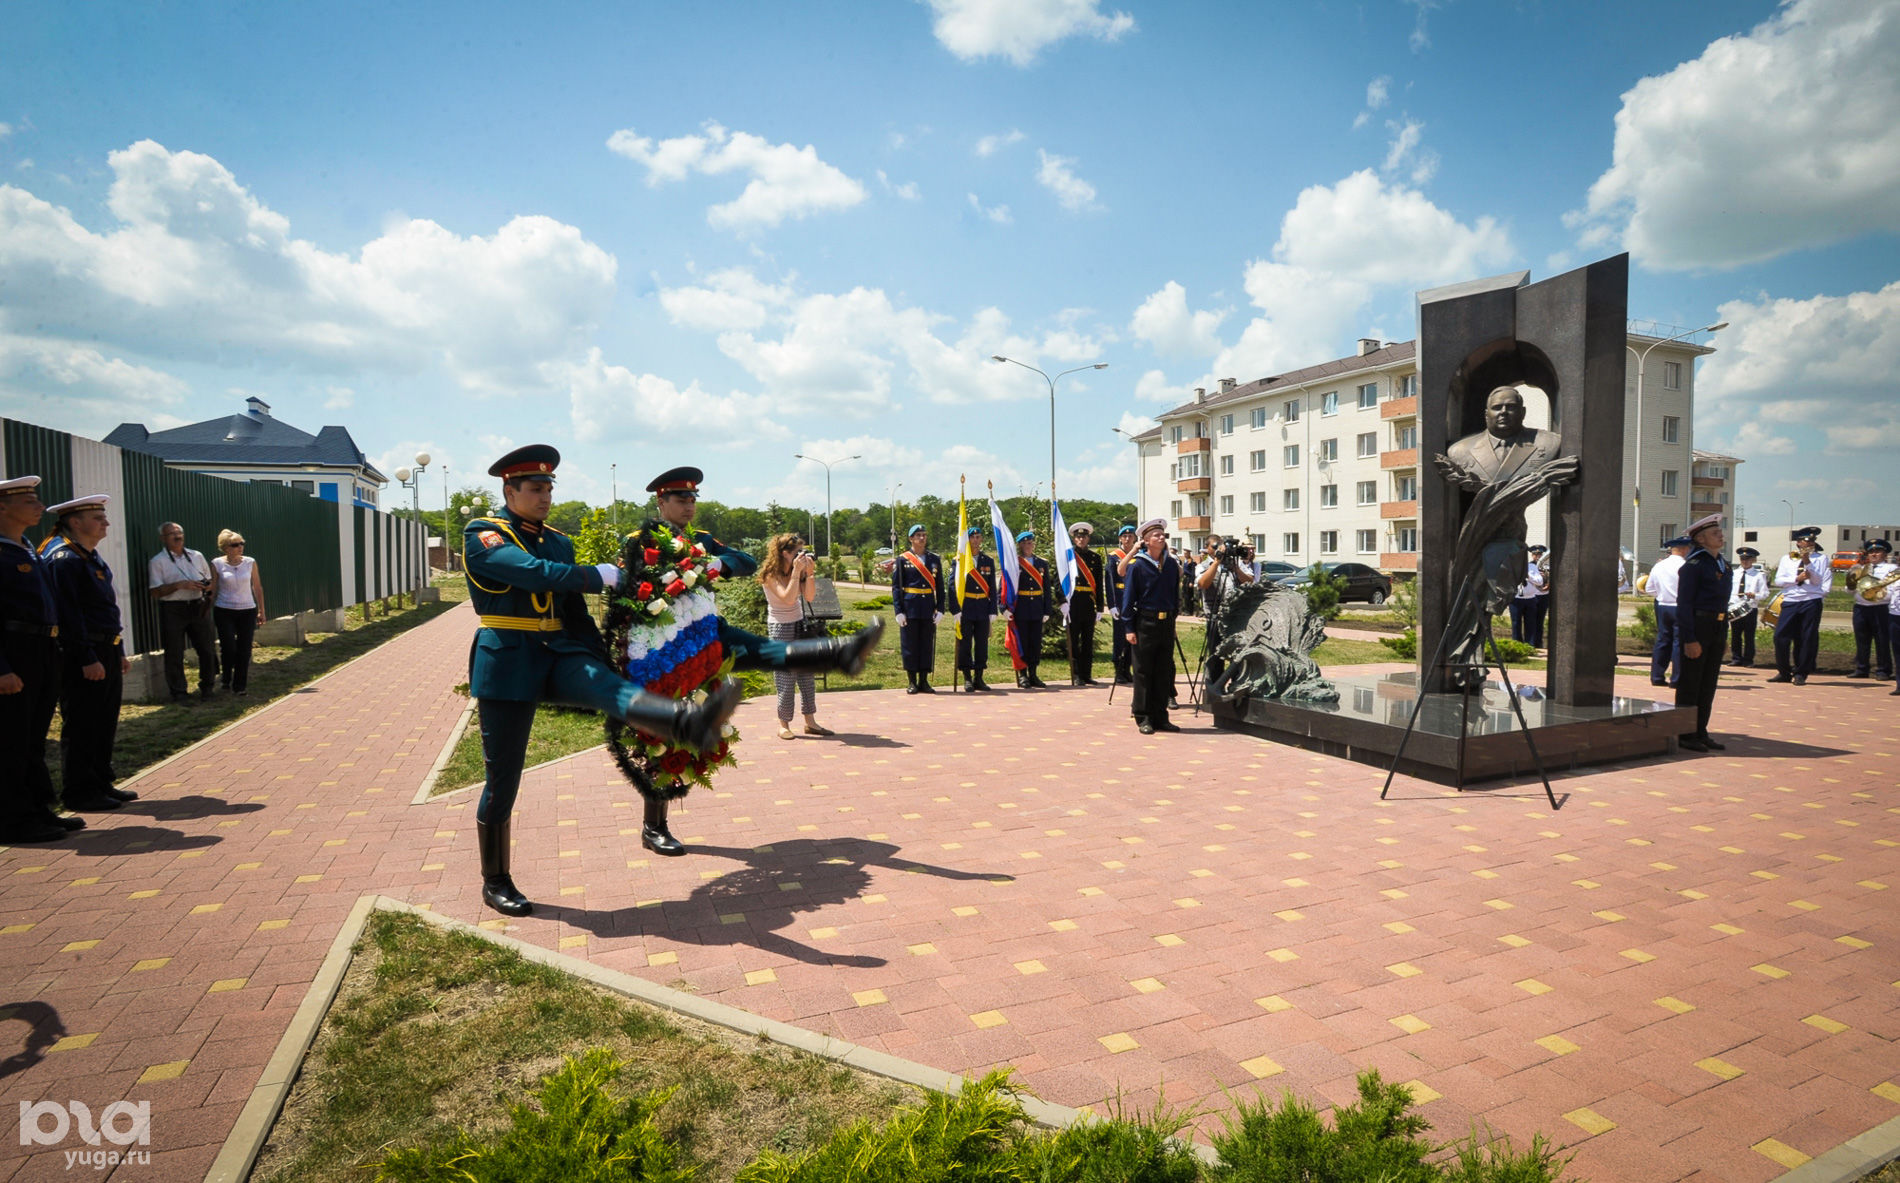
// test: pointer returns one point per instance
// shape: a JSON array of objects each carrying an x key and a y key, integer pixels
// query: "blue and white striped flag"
[
  {"x": 1065, "y": 555},
  {"x": 1008, "y": 566}
]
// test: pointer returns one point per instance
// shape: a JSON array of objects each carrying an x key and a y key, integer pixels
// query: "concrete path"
[{"x": 1686, "y": 972}]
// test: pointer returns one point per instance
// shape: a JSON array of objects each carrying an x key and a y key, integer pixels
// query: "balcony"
[
  {"x": 1199, "y": 443},
  {"x": 1194, "y": 525},
  {"x": 1398, "y": 408},
  {"x": 1705, "y": 508},
  {"x": 1389, "y": 510},
  {"x": 1396, "y": 560},
  {"x": 1195, "y": 484},
  {"x": 1399, "y": 458},
  {"x": 1707, "y": 482}
]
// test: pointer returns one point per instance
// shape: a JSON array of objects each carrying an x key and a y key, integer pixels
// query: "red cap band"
[
  {"x": 538, "y": 468},
  {"x": 677, "y": 487}
]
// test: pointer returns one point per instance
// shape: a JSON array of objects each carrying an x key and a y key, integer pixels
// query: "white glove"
[
  {"x": 1114, "y": 613},
  {"x": 609, "y": 574},
  {"x": 900, "y": 620},
  {"x": 1006, "y": 614},
  {"x": 716, "y": 566},
  {"x": 937, "y": 618}
]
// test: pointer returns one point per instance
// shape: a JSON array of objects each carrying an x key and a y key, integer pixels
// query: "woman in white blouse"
[
  {"x": 787, "y": 575},
  {"x": 238, "y": 610}
]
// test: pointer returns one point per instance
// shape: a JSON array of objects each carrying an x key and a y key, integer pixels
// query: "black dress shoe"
[
  {"x": 1708, "y": 741},
  {"x": 1801, "y": 679},
  {"x": 1858, "y": 674},
  {"x": 911, "y": 689},
  {"x": 1782, "y": 678},
  {"x": 120, "y": 794},
  {"x": 1894, "y": 693},
  {"x": 661, "y": 841},
  {"x": 1164, "y": 725},
  {"x": 69, "y": 822},
  {"x": 38, "y": 831},
  {"x": 499, "y": 892},
  {"x": 1657, "y": 682},
  {"x": 1692, "y": 745},
  {"x": 926, "y": 688},
  {"x": 92, "y": 804},
  {"x": 1145, "y": 727},
  {"x": 1036, "y": 683}
]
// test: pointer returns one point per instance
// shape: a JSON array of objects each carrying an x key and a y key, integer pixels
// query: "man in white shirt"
[
  {"x": 1747, "y": 589},
  {"x": 1893, "y": 626},
  {"x": 1666, "y": 656},
  {"x": 1870, "y": 620},
  {"x": 179, "y": 579},
  {"x": 1804, "y": 577}
]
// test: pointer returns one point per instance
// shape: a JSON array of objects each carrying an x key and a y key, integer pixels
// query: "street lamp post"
[
  {"x": 411, "y": 479},
  {"x": 1791, "y": 505},
  {"x": 894, "y": 489},
  {"x": 1636, "y": 510},
  {"x": 1100, "y": 365},
  {"x": 827, "y": 464}
]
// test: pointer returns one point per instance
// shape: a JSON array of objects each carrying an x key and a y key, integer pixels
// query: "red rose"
[
  {"x": 683, "y": 564},
  {"x": 652, "y": 555},
  {"x": 711, "y": 574},
  {"x": 675, "y": 588},
  {"x": 646, "y": 589},
  {"x": 698, "y": 549}
]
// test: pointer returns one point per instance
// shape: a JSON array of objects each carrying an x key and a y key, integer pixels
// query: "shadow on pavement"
[{"x": 44, "y": 1028}]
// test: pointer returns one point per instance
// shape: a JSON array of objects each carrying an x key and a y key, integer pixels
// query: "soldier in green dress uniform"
[{"x": 538, "y": 643}]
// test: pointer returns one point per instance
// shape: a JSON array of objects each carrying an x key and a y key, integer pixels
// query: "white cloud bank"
[
  {"x": 1774, "y": 141},
  {"x": 1057, "y": 174},
  {"x": 1018, "y": 30},
  {"x": 1166, "y": 323},
  {"x": 786, "y": 181}
]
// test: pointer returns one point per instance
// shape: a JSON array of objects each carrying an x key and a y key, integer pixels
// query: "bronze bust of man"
[{"x": 1505, "y": 446}]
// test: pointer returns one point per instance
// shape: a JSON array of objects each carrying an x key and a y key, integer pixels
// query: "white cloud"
[
  {"x": 730, "y": 299},
  {"x": 1135, "y": 424},
  {"x": 74, "y": 387},
  {"x": 1405, "y": 150},
  {"x": 1797, "y": 115},
  {"x": 1057, "y": 174},
  {"x": 908, "y": 191},
  {"x": 1378, "y": 93},
  {"x": 1421, "y": 40},
  {"x": 1751, "y": 440},
  {"x": 403, "y": 455},
  {"x": 6, "y": 129},
  {"x": 787, "y": 182},
  {"x": 341, "y": 398},
  {"x": 1020, "y": 29},
  {"x": 609, "y": 403},
  {"x": 992, "y": 144},
  {"x": 996, "y": 213},
  {"x": 885, "y": 461},
  {"x": 197, "y": 268},
  {"x": 1165, "y": 322},
  {"x": 1153, "y": 387}
]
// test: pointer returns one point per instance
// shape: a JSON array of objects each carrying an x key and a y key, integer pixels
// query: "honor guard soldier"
[
  {"x": 1115, "y": 574},
  {"x": 538, "y": 643},
  {"x": 1150, "y": 605},
  {"x": 1665, "y": 657},
  {"x": 1747, "y": 590},
  {"x": 1085, "y": 601},
  {"x": 1032, "y": 609},
  {"x": 1702, "y": 593},
  {"x": 91, "y": 641},
  {"x": 917, "y": 597},
  {"x": 29, "y": 673},
  {"x": 1805, "y": 576},
  {"x": 1870, "y": 619},
  {"x": 973, "y": 616}
]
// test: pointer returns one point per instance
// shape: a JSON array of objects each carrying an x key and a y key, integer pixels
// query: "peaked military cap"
[
  {"x": 19, "y": 484},
  {"x": 1881, "y": 545},
  {"x": 1810, "y": 533},
  {"x": 1539, "y": 549},
  {"x": 684, "y": 479},
  {"x": 1701, "y": 524},
  {"x": 1678, "y": 540},
  {"x": 1747, "y": 552},
  {"x": 92, "y": 501},
  {"x": 531, "y": 460}
]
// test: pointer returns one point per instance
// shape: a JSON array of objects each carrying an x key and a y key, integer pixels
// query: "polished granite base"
[{"x": 1368, "y": 722}]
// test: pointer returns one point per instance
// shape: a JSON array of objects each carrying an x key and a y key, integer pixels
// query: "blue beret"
[
  {"x": 1025, "y": 535},
  {"x": 973, "y": 531},
  {"x": 917, "y": 529}
]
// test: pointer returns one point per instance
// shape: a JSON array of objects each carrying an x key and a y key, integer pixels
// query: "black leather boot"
[
  {"x": 844, "y": 654},
  {"x": 498, "y": 889},
  {"x": 681, "y": 722},
  {"x": 654, "y": 835}
]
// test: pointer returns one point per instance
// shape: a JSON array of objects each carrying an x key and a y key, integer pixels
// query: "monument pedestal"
[{"x": 1368, "y": 722}]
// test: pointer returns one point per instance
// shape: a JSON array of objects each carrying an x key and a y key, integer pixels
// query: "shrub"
[
  {"x": 742, "y": 603},
  {"x": 1515, "y": 650},
  {"x": 581, "y": 1132},
  {"x": 1403, "y": 605},
  {"x": 1322, "y": 594},
  {"x": 1405, "y": 644},
  {"x": 1646, "y": 623},
  {"x": 874, "y": 603},
  {"x": 1119, "y": 1149}
]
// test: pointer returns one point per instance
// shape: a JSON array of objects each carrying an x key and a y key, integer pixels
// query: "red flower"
[
  {"x": 675, "y": 588},
  {"x": 675, "y": 763},
  {"x": 698, "y": 549},
  {"x": 683, "y": 564},
  {"x": 646, "y": 589},
  {"x": 711, "y": 574},
  {"x": 652, "y": 555}
]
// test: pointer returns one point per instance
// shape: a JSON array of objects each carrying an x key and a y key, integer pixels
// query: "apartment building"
[{"x": 1322, "y": 463}]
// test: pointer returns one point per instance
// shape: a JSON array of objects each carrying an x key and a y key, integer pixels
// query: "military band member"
[
  {"x": 1085, "y": 602},
  {"x": 1032, "y": 609},
  {"x": 1150, "y": 605},
  {"x": 973, "y": 615},
  {"x": 29, "y": 673},
  {"x": 917, "y": 597},
  {"x": 1870, "y": 620},
  {"x": 1747, "y": 590},
  {"x": 1893, "y": 627},
  {"x": 1542, "y": 566},
  {"x": 1533, "y": 597},
  {"x": 538, "y": 643},
  {"x": 1804, "y": 577},
  {"x": 1702, "y": 591},
  {"x": 1115, "y": 573},
  {"x": 1666, "y": 655},
  {"x": 91, "y": 641}
]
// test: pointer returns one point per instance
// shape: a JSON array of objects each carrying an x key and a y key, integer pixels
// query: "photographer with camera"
[{"x": 1227, "y": 567}]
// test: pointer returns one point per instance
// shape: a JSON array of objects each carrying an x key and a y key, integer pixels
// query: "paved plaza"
[{"x": 1688, "y": 971}]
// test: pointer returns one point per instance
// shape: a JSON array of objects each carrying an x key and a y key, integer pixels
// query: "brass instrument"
[
  {"x": 1875, "y": 592},
  {"x": 1771, "y": 611},
  {"x": 1642, "y": 584}
]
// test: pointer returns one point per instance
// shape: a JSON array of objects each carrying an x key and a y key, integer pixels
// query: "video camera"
[{"x": 1231, "y": 550}]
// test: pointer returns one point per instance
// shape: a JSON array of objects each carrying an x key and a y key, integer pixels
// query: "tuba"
[{"x": 1875, "y": 591}]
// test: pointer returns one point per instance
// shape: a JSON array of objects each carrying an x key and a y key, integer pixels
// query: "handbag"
[{"x": 809, "y": 626}]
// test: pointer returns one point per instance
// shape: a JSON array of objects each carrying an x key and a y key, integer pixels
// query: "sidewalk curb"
[
  {"x": 1852, "y": 1159},
  {"x": 443, "y": 757}
]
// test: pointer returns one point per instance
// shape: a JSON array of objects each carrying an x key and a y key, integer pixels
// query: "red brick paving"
[{"x": 1698, "y": 950}]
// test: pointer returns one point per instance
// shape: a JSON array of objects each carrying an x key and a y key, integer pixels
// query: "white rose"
[
  {"x": 689, "y": 578},
  {"x": 657, "y": 607}
]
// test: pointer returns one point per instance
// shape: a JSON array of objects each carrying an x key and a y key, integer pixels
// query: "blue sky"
[{"x": 722, "y": 234}]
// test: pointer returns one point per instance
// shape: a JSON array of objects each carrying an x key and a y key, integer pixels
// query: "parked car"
[
  {"x": 1360, "y": 582},
  {"x": 1843, "y": 559},
  {"x": 1275, "y": 571}
]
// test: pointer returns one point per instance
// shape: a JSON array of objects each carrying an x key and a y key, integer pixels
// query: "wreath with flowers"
[{"x": 662, "y": 628}]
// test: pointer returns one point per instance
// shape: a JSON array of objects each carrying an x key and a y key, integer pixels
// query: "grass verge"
[{"x": 435, "y": 1031}]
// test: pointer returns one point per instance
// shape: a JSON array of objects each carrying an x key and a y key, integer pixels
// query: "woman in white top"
[
  {"x": 238, "y": 610},
  {"x": 787, "y": 577}
]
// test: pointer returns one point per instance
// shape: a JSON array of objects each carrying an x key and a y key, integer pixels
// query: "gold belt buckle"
[{"x": 1161, "y": 616}]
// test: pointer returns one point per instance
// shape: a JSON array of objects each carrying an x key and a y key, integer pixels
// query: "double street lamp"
[
  {"x": 894, "y": 489},
  {"x": 1100, "y": 365},
  {"x": 1636, "y": 511},
  {"x": 411, "y": 479},
  {"x": 827, "y": 464}
]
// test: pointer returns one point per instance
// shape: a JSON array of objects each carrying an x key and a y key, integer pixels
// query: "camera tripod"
[{"x": 1194, "y": 686}]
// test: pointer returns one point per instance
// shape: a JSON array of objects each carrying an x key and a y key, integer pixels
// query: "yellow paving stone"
[
  {"x": 150, "y": 963},
  {"x": 1887, "y": 1090},
  {"x": 1664, "y": 866},
  {"x": 1410, "y": 1024},
  {"x": 1404, "y": 969},
  {"x": 876, "y": 897},
  {"x": 1168, "y": 940},
  {"x": 203, "y": 909},
  {"x": 1094, "y": 891},
  {"x": 1031, "y": 966},
  {"x": 307, "y": 878},
  {"x": 1147, "y": 985},
  {"x": 1187, "y": 902},
  {"x": 1533, "y": 986},
  {"x": 1484, "y": 874},
  {"x": 1721, "y": 1068},
  {"x": 1804, "y": 905},
  {"x": 578, "y": 941},
  {"x": 255, "y": 866},
  {"x": 1290, "y": 914},
  {"x": 77, "y": 946},
  {"x": 268, "y": 925},
  {"x": 1397, "y": 927},
  {"x": 1692, "y": 894},
  {"x": 1391, "y": 864},
  {"x": 1393, "y": 893},
  {"x": 1638, "y": 956},
  {"x": 577, "y": 889},
  {"x": 663, "y": 959},
  {"x": 169, "y": 1071},
  {"x": 223, "y": 984},
  {"x": 1565, "y": 858},
  {"x": 1422, "y": 1093},
  {"x": 965, "y": 910},
  {"x": 1854, "y": 942},
  {"x": 1514, "y": 941},
  {"x": 1767, "y": 970},
  {"x": 869, "y": 997},
  {"x": 1609, "y": 917},
  {"x": 1119, "y": 1042},
  {"x": 988, "y": 1019},
  {"x": 492, "y": 925},
  {"x": 1556, "y": 1045},
  {"x": 1869, "y": 884},
  {"x": 1764, "y": 874},
  {"x": 1589, "y": 1121},
  {"x": 90, "y": 880},
  {"x": 1726, "y": 929},
  {"x": 1822, "y": 1022},
  {"x": 759, "y": 977},
  {"x": 1500, "y": 905},
  {"x": 1261, "y": 1067},
  {"x": 1283, "y": 955},
  {"x": 823, "y": 934},
  {"x": 922, "y": 950},
  {"x": 1273, "y": 1004},
  {"x": 1780, "y": 1152},
  {"x": 1671, "y": 1002},
  {"x": 13, "y": 928},
  {"x": 1063, "y": 925},
  {"x": 147, "y": 894},
  {"x": 73, "y": 1043}
]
